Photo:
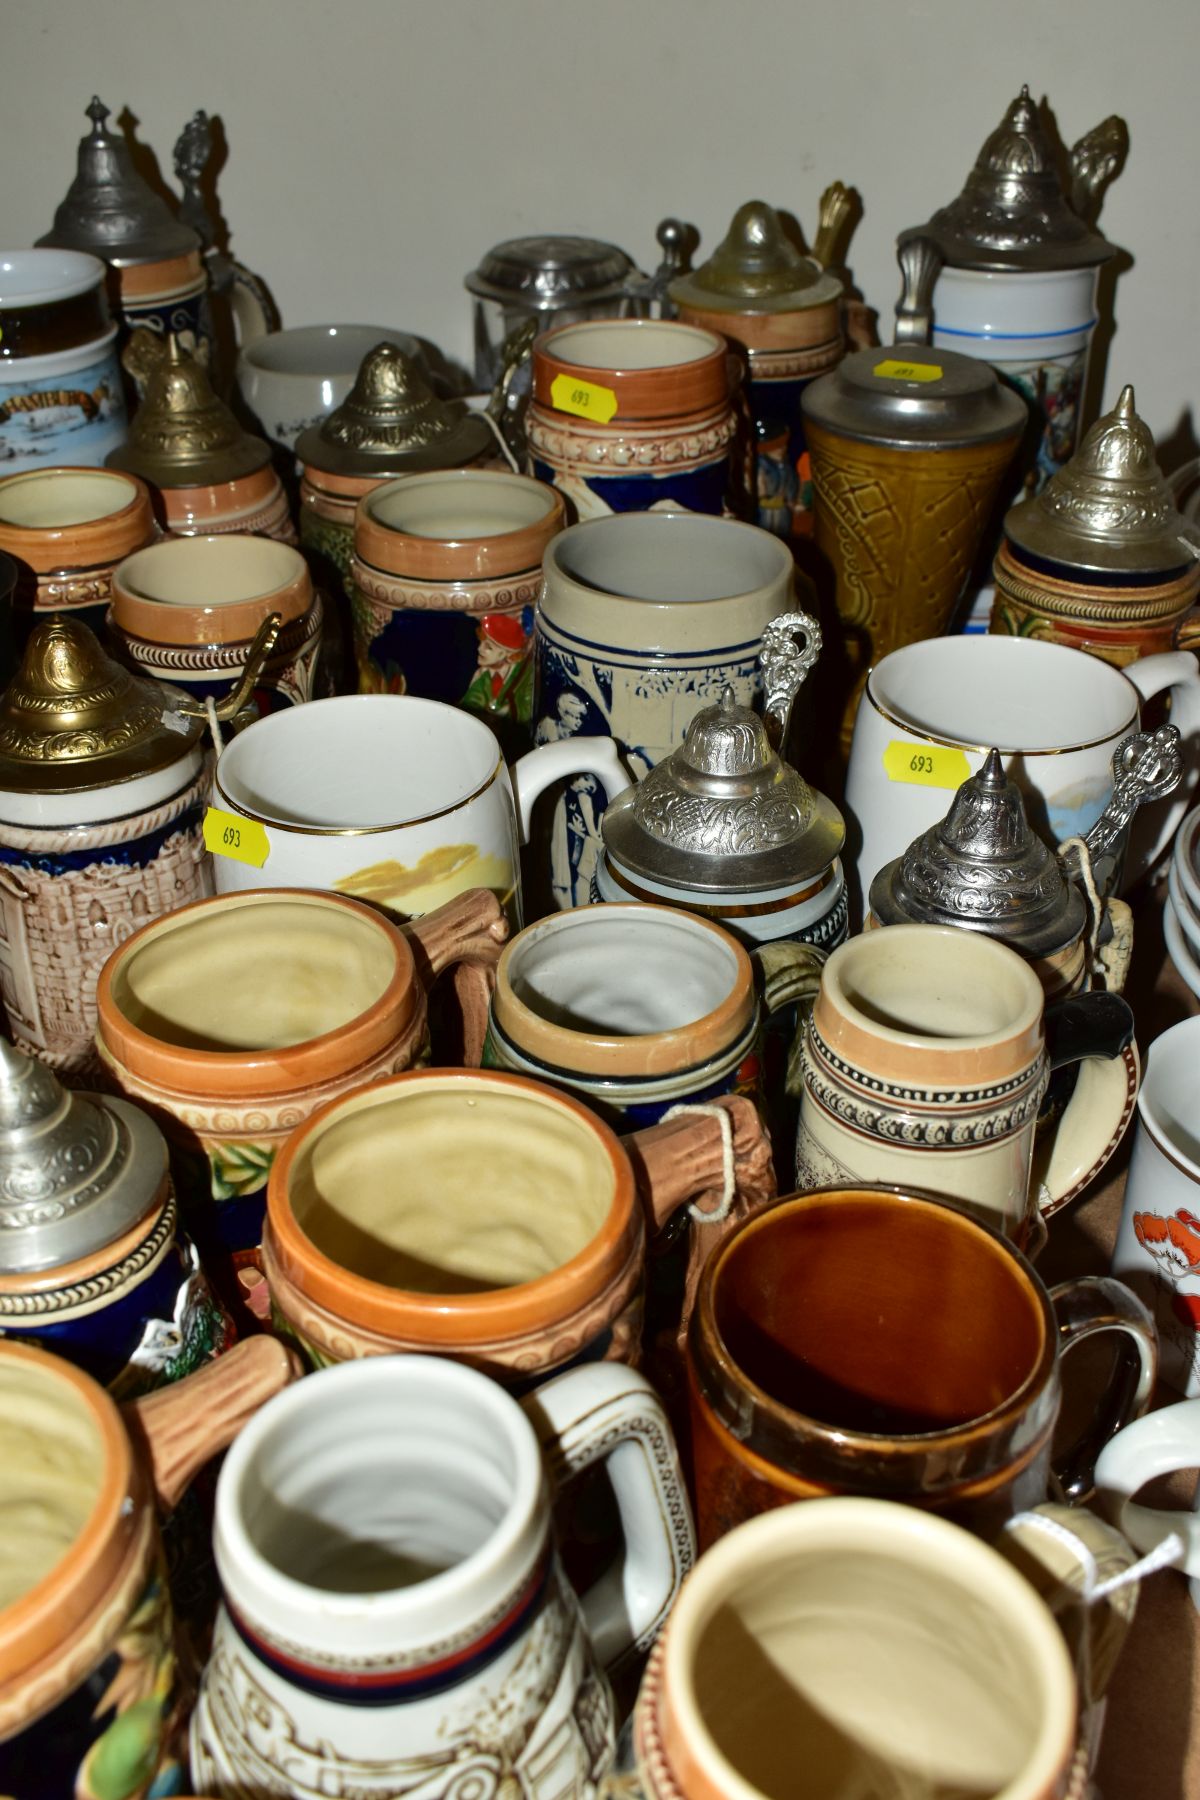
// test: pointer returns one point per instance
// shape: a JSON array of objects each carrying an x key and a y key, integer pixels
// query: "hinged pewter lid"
[
  {"x": 547, "y": 272},
  {"x": 1013, "y": 213},
  {"x": 77, "y": 1171},
  {"x": 72, "y": 719},
  {"x": 914, "y": 397},
  {"x": 1110, "y": 508},
  {"x": 392, "y": 423},
  {"x": 109, "y": 210},
  {"x": 756, "y": 269},
  {"x": 985, "y": 868},
  {"x": 182, "y": 436}
]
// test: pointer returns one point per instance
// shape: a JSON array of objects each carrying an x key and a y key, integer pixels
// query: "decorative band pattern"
[
  {"x": 96, "y": 1287},
  {"x": 793, "y": 365},
  {"x": 933, "y": 1118},
  {"x": 1106, "y": 606},
  {"x": 674, "y": 449},
  {"x": 449, "y": 596}
]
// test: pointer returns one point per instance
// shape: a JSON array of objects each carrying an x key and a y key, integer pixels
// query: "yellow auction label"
[
  {"x": 891, "y": 370},
  {"x": 583, "y": 398},
  {"x": 242, "y": 840},
  {"x": 925, "y": 765}
]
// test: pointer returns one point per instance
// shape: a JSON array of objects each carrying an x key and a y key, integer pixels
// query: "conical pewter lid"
[
  {"x": 914, "y": 398},
  {"x": 77, "y": 1171},
  {"x": 985, "y": 868},
  {"x": 392, "y": 423},
  {"x": 755, "y": 269},
  {"x": 72, "y": 719},
  {"x": 1111, "y": 507},
  {"x": 109, "y": 210},
  {"x": 182, "y": 436},
  {"x": 546, "y": 272},
  {"x": 1013, "y": 213},
  {"x": 723, "y": 814}
]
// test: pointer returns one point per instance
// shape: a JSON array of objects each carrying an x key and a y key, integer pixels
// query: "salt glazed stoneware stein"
[
  {"x": 785, "y": 1624},
  {"x": 90, "y": 1700},
  {"x": 391, "y": 799},
  {"x": 629, "y": 414},
  {"x": 446, "y": 571},
  {"x": 67, "y": 529},
  {"x": 233, "y": 1020},
  {"x": 61, "y": 398},
  {"x": 883, "y": 1342},
  {"x": 396, "y": 1617}
]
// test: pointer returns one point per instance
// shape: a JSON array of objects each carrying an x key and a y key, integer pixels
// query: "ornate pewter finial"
[
  {"x": 181, "y": 434},
  {"x": 678, "y": 243},
  {"x": 193, "y": 147},
  {"x": 109, "y": 210},
  {"x": 392, "y": 420},
  {"x": 756, "y": 268}
]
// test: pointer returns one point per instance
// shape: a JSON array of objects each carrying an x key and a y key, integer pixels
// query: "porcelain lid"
[
  {"x": 77, "y": 1171},
  {"x": 724, "y": 813},
  {"x": 71, "y": 718},
  {"x": 109, "y": 210},
  {"x": 755, "y": 269},
  {"x": 182, "y": 436},
  {"x": 983, "y": 867},
  {"x": 914, "y": 397},
  {"x": 547, "y": 272},
  {"x": 1110, "y": 507},
  {"x": 1013, "y": 213},
  {"x": 392, "y": 423}
]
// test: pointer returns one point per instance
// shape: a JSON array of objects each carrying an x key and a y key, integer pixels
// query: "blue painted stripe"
[{"x": 1013, "y": 337}]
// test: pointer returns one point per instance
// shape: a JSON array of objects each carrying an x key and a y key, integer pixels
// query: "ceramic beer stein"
[
  {"x": 395, "y": 1610},
  {"x": 89, "y": 1699},
  {"x": 61, "y": 399},
  {"x": 233, "y": 1020},
  {"x": 67, "y": 529}
]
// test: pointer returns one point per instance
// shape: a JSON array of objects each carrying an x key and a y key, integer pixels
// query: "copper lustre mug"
[{"x": 870, "y": 1341}]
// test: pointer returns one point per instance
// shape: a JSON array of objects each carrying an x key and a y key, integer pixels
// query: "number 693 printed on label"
[
  {"x": 925, "y": 765},
  {"x": 242, "y": 840}
]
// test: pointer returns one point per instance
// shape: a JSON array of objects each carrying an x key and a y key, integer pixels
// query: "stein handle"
[
  {"x": 791, "y": 645},
  {"x": 534, "y": 772},
  {"x": 680, "y": 1161},
  {"x": 790, "y": 975},
  {"x": 265, "y": 639},
  {"x": 467, "y": 933},
  {"x": 1175, "y": 670},
  {"x": 1089, "y": 1029},
  {"x": 178, "y": 1428},
  {"x": 1157, "y": 1444},
  {"x": 920, "y": 265},
  {"x": 608, "y": 1413},
  {"x": 1084, "y": 1307}
]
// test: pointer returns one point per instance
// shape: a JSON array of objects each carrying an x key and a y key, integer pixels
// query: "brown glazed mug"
[{"x": 884, "y": 1343}]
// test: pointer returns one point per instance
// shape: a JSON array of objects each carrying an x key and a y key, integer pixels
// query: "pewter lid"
[
  {"x": 77, "y": 1171},
  {"x": 985, "y": 868},
  {"x": 915, "y": 398},
  {"x": 181, "y": 435},
  {"x": 72, "y": 719},
  {"x": 392, "y": 423},
  {"x": 755, "y": 269},
  {"x": 1013, "y": 213},
  {"x": 724, "y": 813},
  {"x": 109, "y": 210},
  {"x": 1110, "y": 507},
  {"x": 546, "y": 273}
]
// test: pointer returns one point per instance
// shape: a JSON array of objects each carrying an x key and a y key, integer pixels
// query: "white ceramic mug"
[
  {"x": 931, "y": 711},
  {"x": 293, "y": 379},
  {"x": 396, "y": 1619},
  {"x": 390, "y": 799},
  {"x": 1157, "y": 1444}
]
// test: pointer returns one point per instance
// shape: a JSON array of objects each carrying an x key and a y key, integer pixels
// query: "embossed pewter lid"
[
  {"x": 724, "y": 813},
  {"x": 109, "y": 210},
  {"x": 181, "y": 435},
  {"x": 914, "y": 397},
  {"x": 1013, "y": 213},
  {"x": 756, "y": 269},
  {"x": 983, "y": 867},
  {"x": 77, "y": 1171},
  {"x": 547, "y": 272},
  {"x": 392, "y": 423},
  {"x": 1111, "y": 507},
  {"x": 71, "y": 718}
]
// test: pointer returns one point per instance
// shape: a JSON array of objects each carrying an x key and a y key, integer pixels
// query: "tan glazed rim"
[
  {"x": 246, "y": 1074},
  {"x": 450, "y": 1320},
  {"x": 465, "y": 557},
  {"x": 694, "y": 384},
  {"x": 285, "y": 589},
  {"x": 88, "y": 543}
]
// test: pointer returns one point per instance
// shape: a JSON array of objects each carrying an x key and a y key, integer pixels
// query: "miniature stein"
[
  {"x": 1102, "y": 560},
  {"x": 66, "y": 530}
]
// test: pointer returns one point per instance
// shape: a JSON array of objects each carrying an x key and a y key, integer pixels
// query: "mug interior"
[
  {"x": 460, "y": 504},
  {"x": 878, "y": 1315},
  {"x": 358, "y": 762},
  {"x": 587, "y": 971},
  {"x": 322, "y": 351},
  {"x": 1009, "y": 692},
  {"x": 51, "y": 1470},
  {"x": 210, "y": 571},
  {"x": 455, "y": 1187},
  {"x": 35, "y": 277},
  {"x": 678, "y": 557},
  {"x": 48, "y": 500},
  {"x": 631, "y": 344},
  {"x": 1168, "y": 1096},
  {"x": 259, "y": 976},
  {"x": 943, "y": 984}
]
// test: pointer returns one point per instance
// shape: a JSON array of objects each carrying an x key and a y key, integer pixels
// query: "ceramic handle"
[
  {"x": 539, "y": 768},
  {"x": 608, "y": 1413},
  {"x": 1084, "y": 1307},
  {"x": 1156, "y": 1445},
  {"x": 255, "y": 313},
  {"x": 681, "y": 1162},
  {"x": 179, "y": 1427},
  {"x": 467, "y": 933},
  {"x": 1153, "y": 830},
  {"x": 790, "y": 975}
]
